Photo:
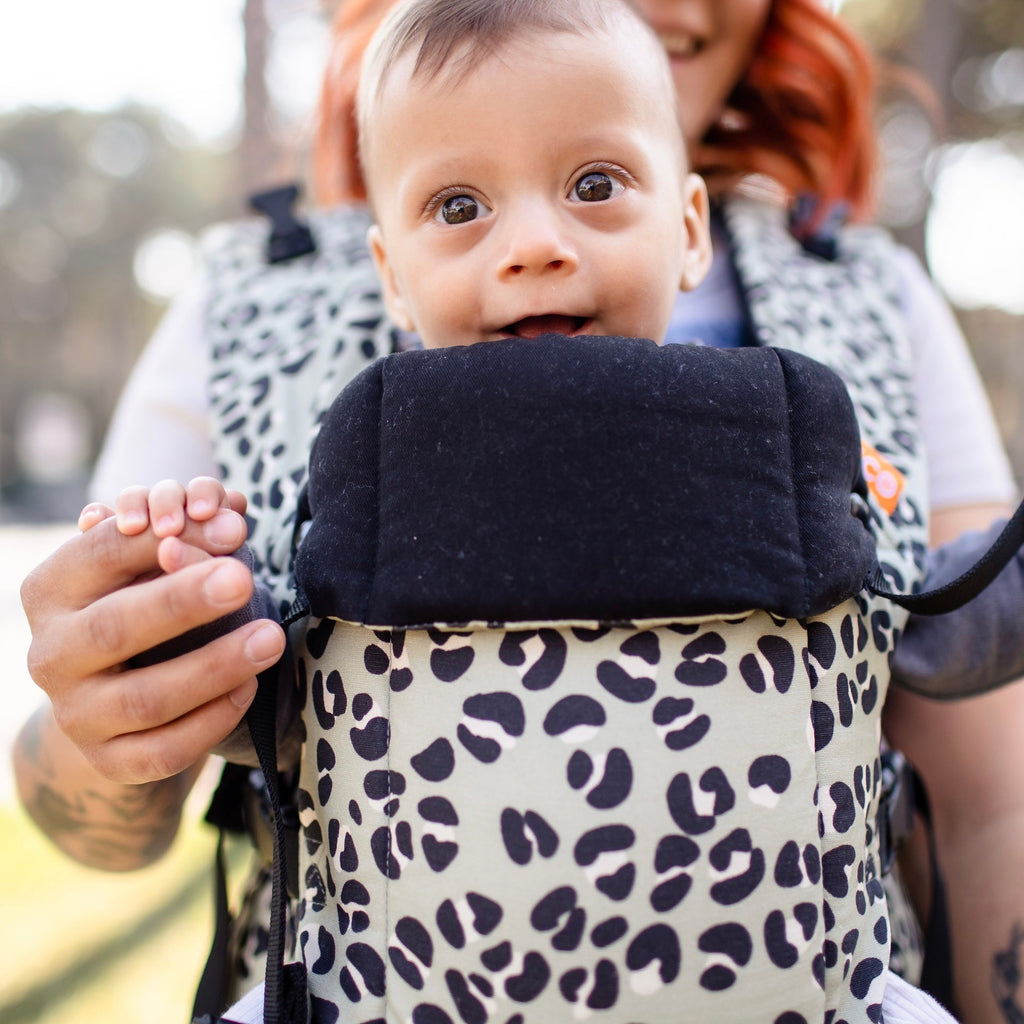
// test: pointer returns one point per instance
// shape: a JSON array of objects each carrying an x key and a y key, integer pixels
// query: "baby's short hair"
[{"x": 459, "y": 35}]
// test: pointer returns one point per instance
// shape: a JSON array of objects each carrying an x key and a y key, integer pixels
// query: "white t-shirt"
[{"x": 160, "y": 429}]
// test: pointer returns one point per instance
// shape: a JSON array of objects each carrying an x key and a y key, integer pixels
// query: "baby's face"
[{"x": 545, "y": 191}]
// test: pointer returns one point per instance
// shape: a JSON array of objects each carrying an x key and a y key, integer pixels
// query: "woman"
[{"x": 770, "y": 88}]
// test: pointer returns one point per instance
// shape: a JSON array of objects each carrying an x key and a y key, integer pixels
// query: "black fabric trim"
[
  {"x": 584, "y": 478},
  {"x": 211, "y": 997},
  {"x": 937, "y": 967}
]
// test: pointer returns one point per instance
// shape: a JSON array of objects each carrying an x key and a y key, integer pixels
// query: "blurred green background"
[
  {"x": 126, "y": 127},
  {"x": 84, "y": 946}
]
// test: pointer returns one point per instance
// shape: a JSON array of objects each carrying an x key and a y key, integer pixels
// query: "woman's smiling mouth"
[{"x": 681, "y": 45}]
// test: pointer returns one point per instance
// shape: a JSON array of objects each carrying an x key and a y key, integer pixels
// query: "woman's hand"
[{"x": 101, "y": 600}]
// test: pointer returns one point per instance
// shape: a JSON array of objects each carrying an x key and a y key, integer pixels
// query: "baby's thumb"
[{"x": 93, "y": 513}]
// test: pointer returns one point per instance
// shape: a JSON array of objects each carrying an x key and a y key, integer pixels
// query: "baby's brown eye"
[
  {"x": 459, "y": 209},
  {"x": 595, "y": 187}
]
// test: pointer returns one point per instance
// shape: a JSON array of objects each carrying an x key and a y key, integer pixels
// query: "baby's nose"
[{"x": 538, "y": 242}]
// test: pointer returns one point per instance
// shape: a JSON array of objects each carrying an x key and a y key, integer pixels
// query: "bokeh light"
[
  {"x": 164, "y": 262},
  {"x": 975, "y": 227}
]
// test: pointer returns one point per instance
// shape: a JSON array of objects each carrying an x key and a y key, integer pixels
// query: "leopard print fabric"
[{"x": 656, "y": 822}]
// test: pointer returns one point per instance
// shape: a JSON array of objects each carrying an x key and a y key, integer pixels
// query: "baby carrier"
[
  {"x": 795, "y": 301},
  {"x": 592, "y": 671}
]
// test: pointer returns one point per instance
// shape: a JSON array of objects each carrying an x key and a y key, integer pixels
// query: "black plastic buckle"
[
  {"x": 895, "y": 806},
  {"x": 289, "y": 237},
  {"x": 823, "y": 240}
]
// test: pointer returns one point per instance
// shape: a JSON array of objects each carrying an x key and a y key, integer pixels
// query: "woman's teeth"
[{"x": 680, "y": 44}]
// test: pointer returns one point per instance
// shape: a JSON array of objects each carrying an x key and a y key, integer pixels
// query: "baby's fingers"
[
  {"x": 167, "y": 508},
  {"x": 174, "y": 554},
  {"x": 132, "y": 510},
  {"x": 237, "y": 502},
  {"x": 93, "y": 514},
  {"x": 205, "y": 496}
]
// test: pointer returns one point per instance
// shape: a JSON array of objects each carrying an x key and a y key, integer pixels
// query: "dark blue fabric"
[{"x": 584, "y": 478}]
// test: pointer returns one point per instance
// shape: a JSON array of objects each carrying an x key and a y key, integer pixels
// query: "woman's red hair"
[
  {"x": 801, "y": 116},
  {"x": 337, "y": 176}
]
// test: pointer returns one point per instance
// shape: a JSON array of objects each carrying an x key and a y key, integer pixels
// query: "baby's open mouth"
[{"x": 550, "y": 323}]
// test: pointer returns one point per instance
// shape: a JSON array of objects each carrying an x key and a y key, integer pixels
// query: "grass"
[{"x": 87, "y": 947}]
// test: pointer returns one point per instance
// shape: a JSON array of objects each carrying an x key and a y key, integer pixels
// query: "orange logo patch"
[{"x": 884, "y": 480}]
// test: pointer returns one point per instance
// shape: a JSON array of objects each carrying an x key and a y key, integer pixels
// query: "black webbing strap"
[
  {"x": 289, "y": 237},
  {"x": 937, "y": 968},
  {"x": 211, "y": 993},
  {"x": 968, "y": 584},
  {"x": 284, "y": 998},
  {"x": 225, "y": 814}
]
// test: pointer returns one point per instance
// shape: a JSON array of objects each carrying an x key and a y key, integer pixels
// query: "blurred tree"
[
  {"x": 970, "y": 53},
  {"x": 258, "y": 154},
  {"x": 79, "y": 193}
]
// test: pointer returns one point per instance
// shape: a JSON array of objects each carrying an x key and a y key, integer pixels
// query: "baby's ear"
[
  {"x": 697, "y": 254},
  {"x": 393, "y": 299}
]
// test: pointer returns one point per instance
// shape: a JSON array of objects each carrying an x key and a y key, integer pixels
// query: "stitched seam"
[
  {"x": 793, "y": 477},
  {"x": 371, "y": 590},
  {"x": 388, "y": 879}
]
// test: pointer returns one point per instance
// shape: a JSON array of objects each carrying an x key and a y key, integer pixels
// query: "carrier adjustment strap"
[{"x": 969, "y": 584}]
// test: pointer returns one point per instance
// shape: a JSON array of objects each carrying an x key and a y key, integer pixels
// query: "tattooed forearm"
[
  {"x": 102, "y": 824},
  {"x": 119, "y": 833},
  {"x": 1006, "y": 978}
]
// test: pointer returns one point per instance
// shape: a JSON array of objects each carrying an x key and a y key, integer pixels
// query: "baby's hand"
[
  {"x": 193, "y": 522},
  {"x": 166, "y": 507}
]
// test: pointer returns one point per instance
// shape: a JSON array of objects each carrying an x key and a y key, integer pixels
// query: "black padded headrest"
[{"x": 587, "y": 479}]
